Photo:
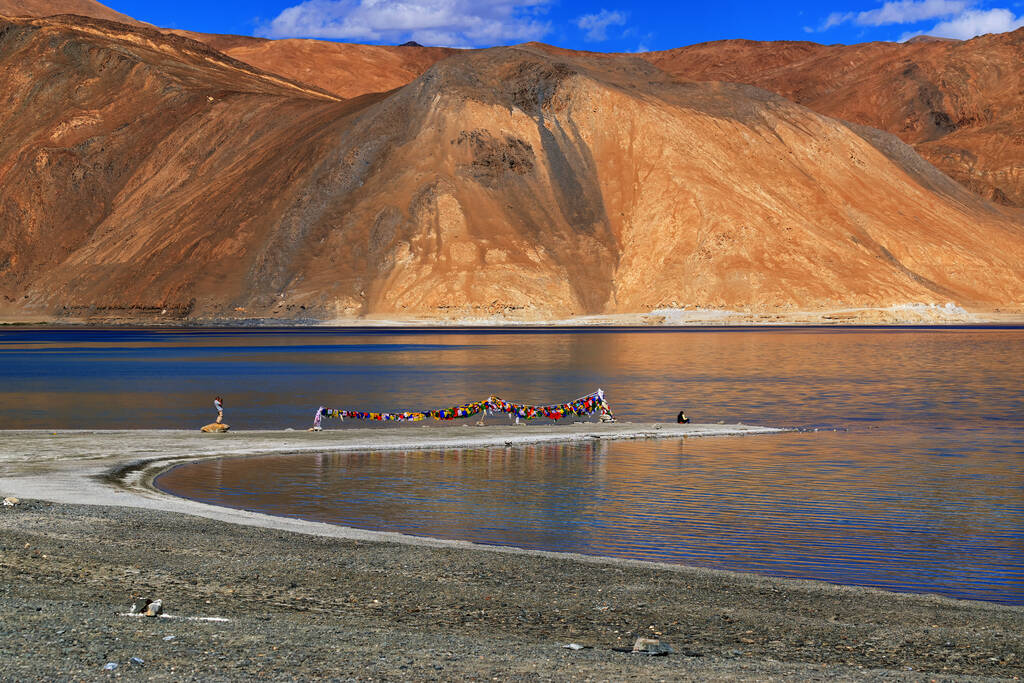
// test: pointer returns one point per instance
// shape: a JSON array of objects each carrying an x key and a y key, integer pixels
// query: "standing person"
[{"x": 219, "y": 405}]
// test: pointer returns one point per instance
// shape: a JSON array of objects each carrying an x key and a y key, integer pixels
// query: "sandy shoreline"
[
  {"x": 117, "y": 467},
  {"x": 316, "y": 600}
]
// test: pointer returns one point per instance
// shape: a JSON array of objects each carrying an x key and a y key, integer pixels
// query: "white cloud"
[
  {"x": 837, "y": 18},
  {"x": 430, "y": 22},
  {"x": 899, "y": 12},
  {"x": 975, "y": 23},
  {"x": 911, "y": 11},
  {"x": 596, "y": 25},
  {"x": 962, "y": 19}
]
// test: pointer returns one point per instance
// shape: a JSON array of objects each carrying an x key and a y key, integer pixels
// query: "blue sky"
[{"x": 607, "y": 26}]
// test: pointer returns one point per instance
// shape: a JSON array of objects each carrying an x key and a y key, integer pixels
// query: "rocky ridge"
[{"x": 955, "y": 102}]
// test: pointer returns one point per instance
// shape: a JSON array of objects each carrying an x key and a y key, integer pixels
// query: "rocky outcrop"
[{"x": 150, "y": 177}]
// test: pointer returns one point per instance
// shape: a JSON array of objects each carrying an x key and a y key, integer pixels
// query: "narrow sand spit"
[
  {"x": 286, "y": 599},
  {"x": 108, "y": 467}
]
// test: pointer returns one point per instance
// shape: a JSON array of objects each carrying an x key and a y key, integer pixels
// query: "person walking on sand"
[{"x": 219, "y": 405}]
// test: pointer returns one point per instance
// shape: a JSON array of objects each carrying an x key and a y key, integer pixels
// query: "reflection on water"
[
  {"x": 798, "y": 505},
  {"x": 271, "y": 379},
  {"x": 923, "y": 492}
]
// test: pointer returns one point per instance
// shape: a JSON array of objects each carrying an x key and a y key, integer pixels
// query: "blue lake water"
[{"x": 914, "y": 480}]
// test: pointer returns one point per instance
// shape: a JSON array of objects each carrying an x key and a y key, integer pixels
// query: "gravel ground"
[{"x": 301, "y": 606}]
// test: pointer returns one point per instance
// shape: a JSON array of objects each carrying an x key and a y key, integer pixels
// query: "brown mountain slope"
[
  {"x": 88, "y": 108},
  {"x": 957, "y": 103},
  {"x": 146, "y": 179},
  {"x": 49, "y": 8}
]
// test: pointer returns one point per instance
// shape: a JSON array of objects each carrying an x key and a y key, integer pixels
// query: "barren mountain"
[
  {"x": 345, "y": 69},
  {"x": 958, "y": 103},
  {"x": 148, "y": 177},
  {"x": 49, "y": 8}
]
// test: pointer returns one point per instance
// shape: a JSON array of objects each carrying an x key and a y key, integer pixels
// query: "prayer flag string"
[{"x": 585, "y": 405}]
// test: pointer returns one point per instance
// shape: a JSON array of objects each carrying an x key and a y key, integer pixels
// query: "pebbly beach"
[{"x": 247, "y": 595}]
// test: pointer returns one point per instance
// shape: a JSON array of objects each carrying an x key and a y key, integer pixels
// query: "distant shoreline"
[
  {"x": 1016, "y": 323},
  {"x": 913, "y": 315}
]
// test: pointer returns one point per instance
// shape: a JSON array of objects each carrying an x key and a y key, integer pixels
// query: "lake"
[{"x": 907, "y": 471}]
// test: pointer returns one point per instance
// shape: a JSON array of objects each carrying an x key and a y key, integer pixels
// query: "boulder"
[
  {"x": 651, "y": 646},
  {"x": 139, "y": 605},
  {"x": 215, "y": 427},
  {"x": 154, "y": 608}
]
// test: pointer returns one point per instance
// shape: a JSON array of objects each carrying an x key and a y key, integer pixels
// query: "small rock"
[
  {"x": 10, "y": 501},
  {"x": 110, "y": 666},
  {"x": 139, "y": 605},
  {"x": 154, "y": 608},
  {"x": 651, "y": 646},
  {"x": 137, "y": 661},
  {"x": 215, "y": 427}
]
